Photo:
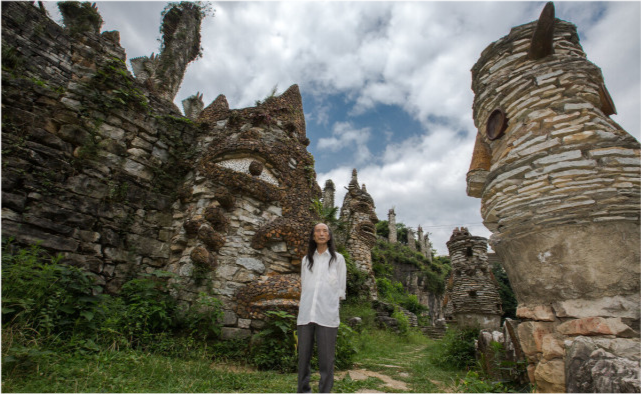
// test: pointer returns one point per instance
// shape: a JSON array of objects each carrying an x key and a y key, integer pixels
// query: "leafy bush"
[
  {"x": 345, "y": 347},
  {"x": 403, "y": 322},
  {"x": 274, "y": 347},
  {"x": 456, "y": 350},
  {"x": 355, "y": 291},
  {"x": 58, "y": 306},
  {"x": 45, "y": 297},
  {"x": 473, "y": 383}
]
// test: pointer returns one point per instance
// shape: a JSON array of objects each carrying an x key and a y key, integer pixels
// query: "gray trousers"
[{"x": 326, "y": 342}]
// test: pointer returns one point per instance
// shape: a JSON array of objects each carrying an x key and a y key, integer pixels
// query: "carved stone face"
[
  {"x": 248, "y": 204},
  {"x": 358, "y": 211}
]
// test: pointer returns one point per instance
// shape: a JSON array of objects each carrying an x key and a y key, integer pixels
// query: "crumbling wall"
[
  {"x": 559, "y": 187},
  {"x": 90, "y": 159}
]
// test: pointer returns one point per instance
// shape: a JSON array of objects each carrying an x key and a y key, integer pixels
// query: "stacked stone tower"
[
  {"x": 411, "y": 239},
  {"x": 358, "y": 211},
  {"x": 391, "y": 220},
  {"x": 473, "y": 296},
  {"x": 328, "y": 194},
  {"x": 559, "y": 186}
]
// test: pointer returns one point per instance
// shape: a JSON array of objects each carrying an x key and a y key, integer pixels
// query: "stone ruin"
[
  {"x": 359, "y": 215},
  {"x": 472, "y": 298},
  {"x": 103, "y": 169},
  {"x": 559, "y": 187}
]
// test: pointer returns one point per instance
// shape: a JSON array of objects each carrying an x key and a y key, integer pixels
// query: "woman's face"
[{"x": 321, "y": 234}]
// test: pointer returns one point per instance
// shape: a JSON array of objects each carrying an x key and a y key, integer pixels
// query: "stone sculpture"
[
  {"x": 246, "y": 211},
  {"x": 559, "y": 188},
  {"x": 358, "y": 212},
  {"x": 472, "y": 297}
]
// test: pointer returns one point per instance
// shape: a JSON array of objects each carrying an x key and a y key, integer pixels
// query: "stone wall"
[
  {"x": 90, "y": 161},
  {"x": 472, "y": 293},
  {"x": 102, "y": 167},
  {"x": 559, "y": 186},
  {"x": 415, "y": 282}
]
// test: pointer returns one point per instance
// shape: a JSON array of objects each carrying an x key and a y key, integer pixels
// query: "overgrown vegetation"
[{"x": 385, "y": 255}]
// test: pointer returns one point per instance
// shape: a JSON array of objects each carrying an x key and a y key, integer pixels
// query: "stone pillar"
[
  {"x": 411, "y": 239},
  {"x": 421, "y": 240},
  {"x": 391, "y": 219},
  {"x": 559, "y": 183},
  {"x": 328, "y": 195},
  {"x": 473, "y": 295},
  {"x": 428, "y": 247}
]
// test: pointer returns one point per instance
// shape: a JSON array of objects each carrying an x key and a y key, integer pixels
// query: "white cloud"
[{"x": 346, "y": 137}]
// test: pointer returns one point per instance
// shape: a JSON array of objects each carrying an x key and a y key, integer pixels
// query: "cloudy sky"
[{"x": 385, "y": 85}]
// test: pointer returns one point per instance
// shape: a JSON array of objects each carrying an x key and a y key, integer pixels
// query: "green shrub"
[
  {"x": 60, "y": 307},
  {"x": 456, "y": 350},
  {"x": 274, "y": 347},
  {"x": 403, "y": 322},
  {"x": 345, "y": 347},
  {"x": 45, "y": 297}
]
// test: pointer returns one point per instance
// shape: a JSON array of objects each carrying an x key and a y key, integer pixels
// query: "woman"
[{"x": 323, "y": 276}]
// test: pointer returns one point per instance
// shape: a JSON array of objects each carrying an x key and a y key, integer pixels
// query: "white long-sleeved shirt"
[{"x": 321, "y": 290}]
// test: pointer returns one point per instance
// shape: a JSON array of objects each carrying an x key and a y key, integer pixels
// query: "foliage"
[
  {"x": 508, "y": 299},
  {"x": 79, "y": 16},
  {"x": 45, "y": 297},
  {"x": 473, "y": 383},
  {"x": 382, "y": 228},
  {"x": 48, "y": 306},
  {"x": 355, "y": 287},
  {"x": 385, "y": 255},
  {"x": 403, "y": 322},
  {"x": 456, "y": 350},
  {"x": 12, "y": 60},
  {"x": 274, "y": 347},
  {"x": 345, "y": 347}
]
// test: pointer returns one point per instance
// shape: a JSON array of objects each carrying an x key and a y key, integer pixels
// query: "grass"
[{"x": 402, "y": 359}]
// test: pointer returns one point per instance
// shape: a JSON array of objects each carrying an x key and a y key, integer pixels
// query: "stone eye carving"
[
  {"x": 251, "y": 167},
  {"x": 256, "y": 168},
  {"x": 496, "y": 124}
]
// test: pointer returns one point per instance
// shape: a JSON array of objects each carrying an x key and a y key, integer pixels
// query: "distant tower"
[
  {"x": 473, "y": 296},
  {"x": 328, "y": 194},
  {"x": 391, "y": 220},
  {"x": 428, "y": 247},
  {"x": 421, "y": 240},
  {"x": 411, "y": 239},
  {"x": 193, "y": 106}
]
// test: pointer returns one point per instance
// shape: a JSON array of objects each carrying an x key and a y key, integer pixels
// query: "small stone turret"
[
  {"x": 80, "y": 18},
  {"x": 473, "y": 293},
  {"x": 328, "y": 194},
  {"x": 391, "y": 220},
  {"x": 411, "y": 239},
  {"x": 193, "y": 106}
]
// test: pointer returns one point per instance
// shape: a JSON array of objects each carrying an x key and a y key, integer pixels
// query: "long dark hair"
[{"x": 311, "y": 248}]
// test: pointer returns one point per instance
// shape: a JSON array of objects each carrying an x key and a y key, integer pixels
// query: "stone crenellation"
[
  {"x": 560, "y": 190},
  {"x": 472, "y": 294}
]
